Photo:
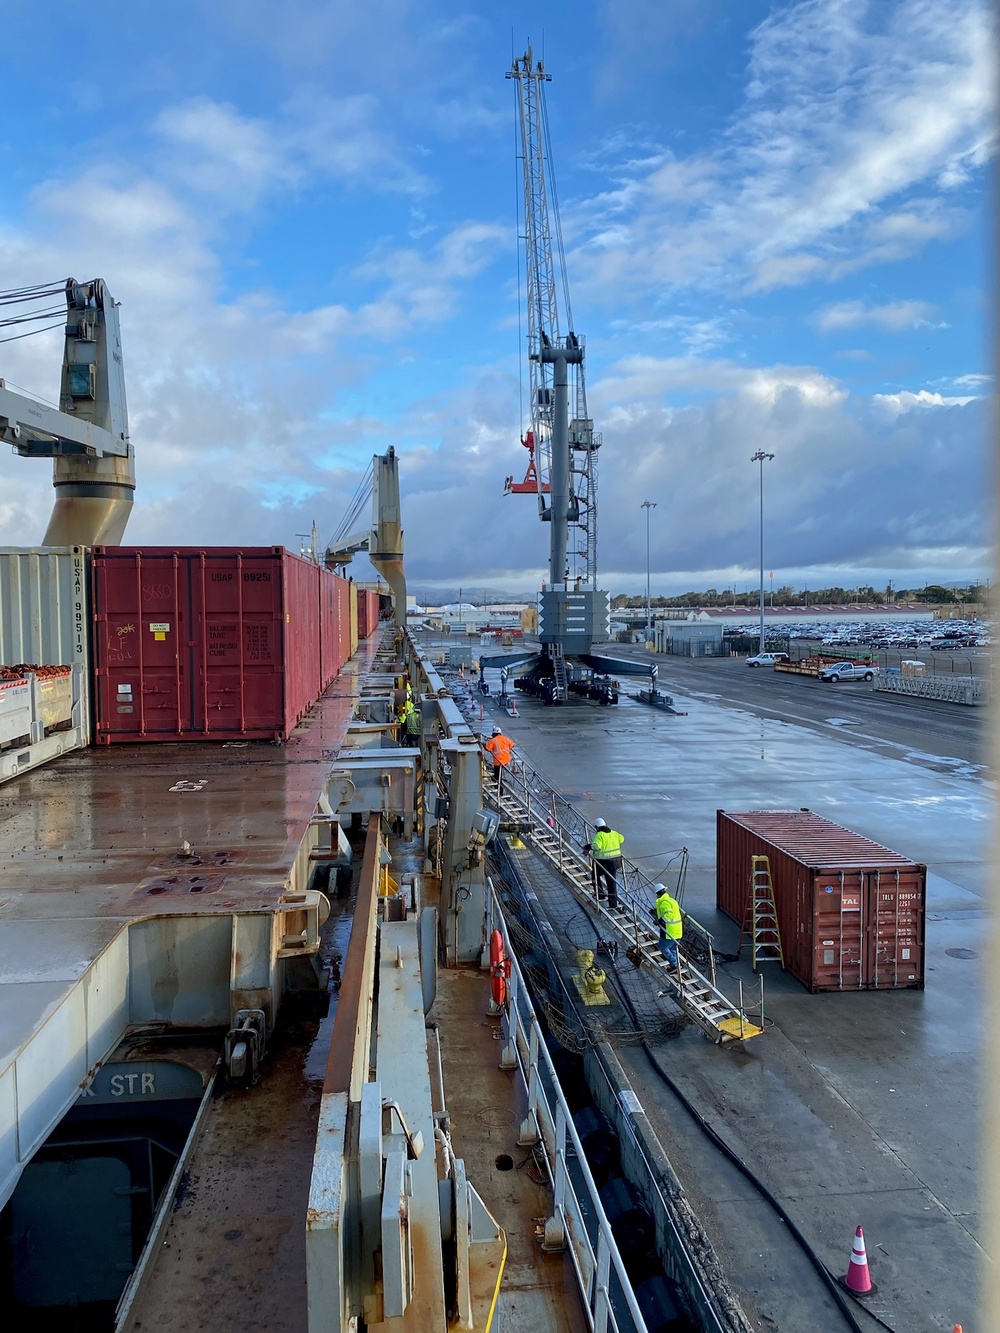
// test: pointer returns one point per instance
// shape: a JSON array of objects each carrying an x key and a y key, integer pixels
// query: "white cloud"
[
  {"x": 214, "y": 148},
  {"x": 426, "y": 281},
  {"x": 893, "y": 317},
  {"x": 637, "y": 379},
  {"x": 972, "y": 381},
  {"x": 849, "y": 109},
  {"x": 907, "y": 401}
]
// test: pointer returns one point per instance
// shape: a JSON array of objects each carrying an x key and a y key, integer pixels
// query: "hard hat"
[
  {"x": 659, "y": 888},
  {"x": 497, "y": 731},
  {"x": 599, "y": 823}
]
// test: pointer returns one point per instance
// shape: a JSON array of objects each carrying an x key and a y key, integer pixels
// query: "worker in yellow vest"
[
  {"x": 606, "y": 853},
  {"x": 667, "y": 911},
  {"x": 402, "y": 716}
]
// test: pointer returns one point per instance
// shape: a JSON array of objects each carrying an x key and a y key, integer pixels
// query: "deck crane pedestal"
[{"x": 561, "y": 442}]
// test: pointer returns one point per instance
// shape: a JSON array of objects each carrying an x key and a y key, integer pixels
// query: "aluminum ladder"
[
  {"x": 697, "y": 996},
  {"x": 760, "y": 917}
]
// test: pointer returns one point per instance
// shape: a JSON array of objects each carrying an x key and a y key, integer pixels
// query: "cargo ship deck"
[
  {"x": 852, "y": 1108},
  {"x": 104, "y": 839}
]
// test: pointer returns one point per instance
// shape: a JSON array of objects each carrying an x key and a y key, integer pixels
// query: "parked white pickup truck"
[
  {"x": 766, "y": 659},
  {"x": 847, "y": 671}
]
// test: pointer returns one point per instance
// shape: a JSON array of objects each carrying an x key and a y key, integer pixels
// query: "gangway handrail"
[
  {"x": 539, "y": 796},
  {"x": 578, "y": 827},
  {"x": 713, "y": 1011},
  {"x": 549, "y": 1124}
]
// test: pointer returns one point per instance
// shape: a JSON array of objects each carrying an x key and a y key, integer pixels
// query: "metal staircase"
[
  {"x": 760, "y": 917},
  {"x": 520, "y": 802},
  {"x": 559, "y": 671}
]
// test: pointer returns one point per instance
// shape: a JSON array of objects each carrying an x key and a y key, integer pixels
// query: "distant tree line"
[{"x": 932, "y": 593}]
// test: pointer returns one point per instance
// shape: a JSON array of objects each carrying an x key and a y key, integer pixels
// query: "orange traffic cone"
[{"x": 857, "y": 1279}]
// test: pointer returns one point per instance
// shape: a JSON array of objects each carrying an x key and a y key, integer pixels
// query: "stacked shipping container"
[
  {"x": 851, "y": 913},
  {"x": 218, "y": 643},
  {"x": 367, "y": 612}
]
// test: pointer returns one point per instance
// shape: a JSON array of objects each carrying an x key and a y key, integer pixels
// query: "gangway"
[{"x": 559, "y": 832}]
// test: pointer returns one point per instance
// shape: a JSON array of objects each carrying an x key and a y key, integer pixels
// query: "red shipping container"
[
  {"x": 367, "y": 612},
  {"x": 851, "y": 913},
  {"x": 221, "y": 643},
  {"x": 344, "y": 620},
  {"x": 329, "y": 627}
]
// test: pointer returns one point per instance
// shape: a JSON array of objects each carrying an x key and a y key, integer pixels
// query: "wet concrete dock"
[{"x": 853, "y": 1108}]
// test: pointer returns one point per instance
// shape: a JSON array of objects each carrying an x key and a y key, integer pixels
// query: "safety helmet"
[
  {"x": 599, "y": 823},
  {"x": 497, "y": 731},
  {"x": 659, "y": 888}
]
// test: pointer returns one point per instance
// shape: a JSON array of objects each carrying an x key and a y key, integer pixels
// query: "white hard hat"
[
  {"x": 599, "y": 823},
  {"x": 659, "y": 888},
  {"x": 497, "y": 731}
]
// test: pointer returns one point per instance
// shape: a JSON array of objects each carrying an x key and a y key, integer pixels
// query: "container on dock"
[
  {"x": 216, "y": 643},
  {"x": 851, "y": 913}
]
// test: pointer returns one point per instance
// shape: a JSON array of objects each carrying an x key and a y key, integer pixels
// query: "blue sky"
[{"x": 775, "y": 217}]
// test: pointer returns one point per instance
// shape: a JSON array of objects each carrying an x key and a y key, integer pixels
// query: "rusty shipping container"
[
  {"x": 215, "y": 643},
  {"x": 850, "y": 912}
]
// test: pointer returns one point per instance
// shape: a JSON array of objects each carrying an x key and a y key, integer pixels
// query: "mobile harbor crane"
[{"x": 562, "y": 447}]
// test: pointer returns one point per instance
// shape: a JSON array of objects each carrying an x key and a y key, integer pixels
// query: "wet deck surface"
[
  {"x": 90, "y": 843},
  {"x": 854, "y": 1108}
]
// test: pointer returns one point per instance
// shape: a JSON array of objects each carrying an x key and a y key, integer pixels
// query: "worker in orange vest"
[{"x": 501, "y": 749}]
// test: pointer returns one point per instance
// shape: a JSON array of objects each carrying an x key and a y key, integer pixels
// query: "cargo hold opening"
[{"x": 74, "y": 1230}]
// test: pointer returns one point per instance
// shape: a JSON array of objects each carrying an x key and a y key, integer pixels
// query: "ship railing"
[{"x": 578, "y": 1223}]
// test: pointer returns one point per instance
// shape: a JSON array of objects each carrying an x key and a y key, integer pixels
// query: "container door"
[
  {"x": 838, "y": 951},
  {"x": 895, "y": 936},
  {"x": 240, "y": 678},
  {"x": 141, "y": 648}
]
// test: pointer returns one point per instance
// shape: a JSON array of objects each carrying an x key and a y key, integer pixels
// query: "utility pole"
[
  {"x": 648, "y": 505},
  {"x": 759, "y": 457}
]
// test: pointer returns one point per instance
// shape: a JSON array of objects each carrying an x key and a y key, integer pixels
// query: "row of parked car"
[{"x": 937, "y": 635}]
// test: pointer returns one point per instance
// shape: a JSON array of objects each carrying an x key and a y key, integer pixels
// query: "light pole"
[
  {"x": 648, "y": 505},
  {"x": 759, "y": 457}
]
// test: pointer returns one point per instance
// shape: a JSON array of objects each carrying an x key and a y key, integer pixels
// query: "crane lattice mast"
[{"x": 566, "y": 486}]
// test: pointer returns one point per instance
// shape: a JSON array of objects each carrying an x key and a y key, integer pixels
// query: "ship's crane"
[
  {"x": 383, "y": 539},
  {"x": 570, "y": 466},
  {"x": 87, "y": 435}
]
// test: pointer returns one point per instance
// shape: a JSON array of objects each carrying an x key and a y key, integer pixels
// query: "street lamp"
[
  {"x": 648, "y": 505},
  {"x": 759, "y": 457}
]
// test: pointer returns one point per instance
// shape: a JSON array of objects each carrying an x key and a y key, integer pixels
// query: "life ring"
[{"x": 499, "y": 969}]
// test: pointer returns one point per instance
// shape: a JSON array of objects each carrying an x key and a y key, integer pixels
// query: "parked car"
[
  {"x": 766, "y": 659},
  {"x": 847, "y": 671}
]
